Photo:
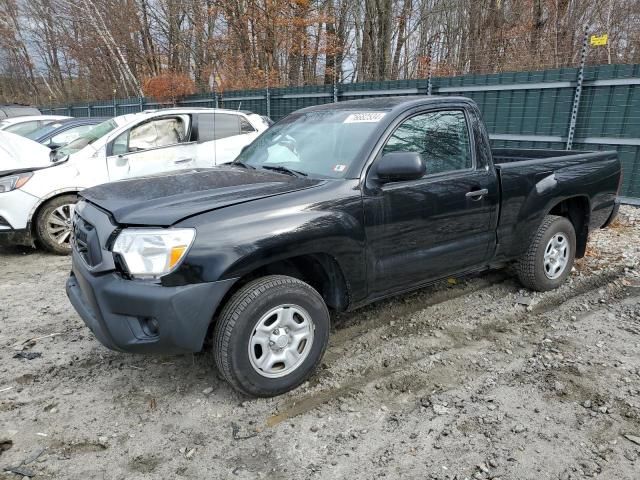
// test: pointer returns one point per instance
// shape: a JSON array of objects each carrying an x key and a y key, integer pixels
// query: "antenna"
[{"x": 239, "y": 105}]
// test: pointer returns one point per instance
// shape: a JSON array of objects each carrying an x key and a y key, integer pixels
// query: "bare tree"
[{"x": 88, "y": 49}]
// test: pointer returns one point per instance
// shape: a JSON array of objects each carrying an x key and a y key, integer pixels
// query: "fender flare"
[{"x": 554, "y": 203}]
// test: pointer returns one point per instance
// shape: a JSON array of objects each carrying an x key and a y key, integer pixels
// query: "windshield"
[
  {"x": 43, "y": 131},
  {"x": 85, "y": 139},
  {"x": 319, "y": 144},
  {"x": 24, "y": 128}
]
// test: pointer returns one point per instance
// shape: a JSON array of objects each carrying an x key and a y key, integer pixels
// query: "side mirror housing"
[{"x": 400, "y": 166}]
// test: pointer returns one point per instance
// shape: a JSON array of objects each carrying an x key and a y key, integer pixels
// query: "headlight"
[
  {"x": 152, "y": 253},
  {"x": 14, "y": 181}
]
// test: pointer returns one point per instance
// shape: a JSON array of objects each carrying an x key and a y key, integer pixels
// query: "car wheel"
[
  {"x": 548, "y": 261},
  {"x": 54, "y": 224},
  {"x": 271, "y": 335}
]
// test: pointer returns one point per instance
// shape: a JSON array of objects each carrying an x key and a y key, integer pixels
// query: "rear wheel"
[
  {"x": 53, "y": 224},
  {"x": 271, "y": 335},
  {"x": 548, "y": 261}
]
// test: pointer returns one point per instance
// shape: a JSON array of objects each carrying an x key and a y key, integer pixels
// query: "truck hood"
[
  {"x": 163, "y": 200},
  {"x": 21, "y": 154}
]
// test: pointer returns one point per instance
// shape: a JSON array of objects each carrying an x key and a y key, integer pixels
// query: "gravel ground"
[{"x": 474, "y": 378}]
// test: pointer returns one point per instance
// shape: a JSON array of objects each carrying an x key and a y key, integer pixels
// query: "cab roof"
[
  {"x": 389, "y": 103},
  {"x": 196, "y": 110}
]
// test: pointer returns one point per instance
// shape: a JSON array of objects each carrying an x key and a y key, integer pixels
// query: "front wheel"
[
  {"x": 53, "y": 224},
  {"x": 549, "y": 258},
  {"x": 271, "y": 335}
]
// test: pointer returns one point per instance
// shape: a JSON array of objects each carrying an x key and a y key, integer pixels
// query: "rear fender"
[{"x": 521, "y": 216}]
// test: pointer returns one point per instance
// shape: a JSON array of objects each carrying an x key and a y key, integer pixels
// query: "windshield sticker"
[
  {"x": 339, "y": 168},
  {"x": 364, "y": 117}
]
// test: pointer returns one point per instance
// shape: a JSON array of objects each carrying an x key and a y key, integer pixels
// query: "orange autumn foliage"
[{"x": 168, "y": 87}]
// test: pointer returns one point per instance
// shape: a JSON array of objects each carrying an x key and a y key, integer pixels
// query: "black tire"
[
  {"x": 44, "y": 235},
  {"x": 237, "y": 324},
  {"x": 531, "y": 266}
]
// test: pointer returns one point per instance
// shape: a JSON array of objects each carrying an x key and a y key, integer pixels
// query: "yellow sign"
[{"x": 598, "y": 40}]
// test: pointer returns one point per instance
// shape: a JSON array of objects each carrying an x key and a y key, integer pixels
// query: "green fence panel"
[{"x": 535, "y": 106}]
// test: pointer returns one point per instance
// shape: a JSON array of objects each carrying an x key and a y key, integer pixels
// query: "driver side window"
[
  {"x": 161, "y": 132},
  {"x": 121, "y": 144},
  {"x": 441, "y": 138}
]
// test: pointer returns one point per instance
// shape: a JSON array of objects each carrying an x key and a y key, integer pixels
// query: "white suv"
[{"x": 37, "y": 195}]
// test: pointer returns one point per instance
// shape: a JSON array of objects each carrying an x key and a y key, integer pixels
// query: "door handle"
[
  {"x": 183, "y": 160},
  {"x": 477, "y": 194}
]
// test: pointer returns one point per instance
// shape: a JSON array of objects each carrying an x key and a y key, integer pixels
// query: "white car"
[
  {"x": 28, "y": 124},
  {"x": 38, "y": 190}
]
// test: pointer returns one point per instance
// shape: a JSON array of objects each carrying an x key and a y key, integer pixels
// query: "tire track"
[
  {"x": 482, "y": 335},
  {"x": 350, "y": 326}
]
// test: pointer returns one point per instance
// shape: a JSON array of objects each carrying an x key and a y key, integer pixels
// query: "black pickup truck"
[{"x": 334, "y": 207}]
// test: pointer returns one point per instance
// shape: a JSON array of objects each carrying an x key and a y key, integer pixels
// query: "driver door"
[
  {"x": 158, "y": 145},
  {"x": 421, "y": 230}
]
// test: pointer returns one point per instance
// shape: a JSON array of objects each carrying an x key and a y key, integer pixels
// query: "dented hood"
[{"x": 163, "y": 200}]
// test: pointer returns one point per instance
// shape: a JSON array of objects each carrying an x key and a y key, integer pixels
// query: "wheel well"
[
  {"x": 319, "y": 270},
  {"x": 36, "y": 212},
  {"x": 577, "y": 210}
]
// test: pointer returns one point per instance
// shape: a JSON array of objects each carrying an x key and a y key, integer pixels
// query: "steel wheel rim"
[
  {"x": 281, "y": 341},
  {"x": 59, "y": 224},
  {"x": 556, "y": 256}
]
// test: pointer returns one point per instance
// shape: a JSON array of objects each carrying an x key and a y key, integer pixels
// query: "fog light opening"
[{"x": 150, "y": 326}]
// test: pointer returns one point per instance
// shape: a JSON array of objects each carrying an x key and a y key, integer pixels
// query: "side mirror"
[
  {"x": 54, "y": 146},
  {"x": 400, "y": 166}
]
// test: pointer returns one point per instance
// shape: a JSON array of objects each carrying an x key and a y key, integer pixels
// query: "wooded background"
[{"x": 54, "y": 51}]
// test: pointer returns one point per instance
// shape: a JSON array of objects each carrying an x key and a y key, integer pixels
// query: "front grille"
[{"x": 86, "y": 242}]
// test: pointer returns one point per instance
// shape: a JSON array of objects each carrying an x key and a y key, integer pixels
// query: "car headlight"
[
  {"x": 14, "y": 181},
  {"x": 152, "y": 253}
]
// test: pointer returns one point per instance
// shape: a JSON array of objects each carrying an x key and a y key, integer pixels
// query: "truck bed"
[
  {"x": 503, "y": 156},
  {"x": 532, "y": 181}
]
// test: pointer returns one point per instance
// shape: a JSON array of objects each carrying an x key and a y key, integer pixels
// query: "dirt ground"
[{"x": 470, "y": 378}]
